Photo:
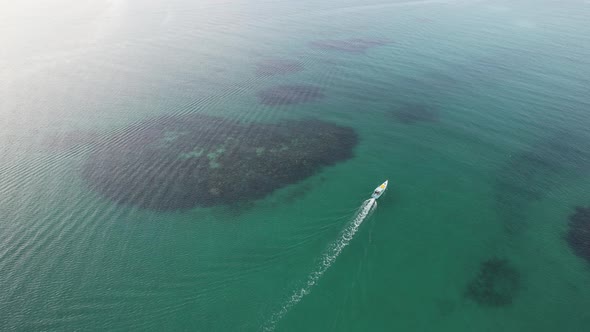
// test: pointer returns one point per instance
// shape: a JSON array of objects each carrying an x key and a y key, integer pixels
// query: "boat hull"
[{"x": 380, "y": 190}]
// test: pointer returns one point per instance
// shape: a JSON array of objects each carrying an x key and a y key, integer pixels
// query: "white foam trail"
[{"x": 328, "y": 258}]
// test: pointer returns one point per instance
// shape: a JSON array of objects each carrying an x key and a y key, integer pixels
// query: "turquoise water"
[{"x": 476, "y": 111}]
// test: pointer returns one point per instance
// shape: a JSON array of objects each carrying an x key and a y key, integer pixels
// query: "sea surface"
[{"x": 204, "y": 165}]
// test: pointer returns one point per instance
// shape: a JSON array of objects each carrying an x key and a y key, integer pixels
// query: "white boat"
[{"x": 380, "y": 190}]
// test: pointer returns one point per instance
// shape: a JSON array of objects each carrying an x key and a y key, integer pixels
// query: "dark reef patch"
[
  {"x": 278, "y": 66},
  {"x": 495, "y": 285},
  {"x": 297, "y": 192},
  {"x": 179, "y": 162},
  {"x": 415, "y": 113},
  {"x": 289, "y": 94},
  {"x": 578, "y": 235},
  {"x": 527, "y": 176},
  {"x": 352, "y": 45}
]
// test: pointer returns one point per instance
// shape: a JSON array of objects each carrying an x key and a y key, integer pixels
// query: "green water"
[{"x": 495, "y": 173}]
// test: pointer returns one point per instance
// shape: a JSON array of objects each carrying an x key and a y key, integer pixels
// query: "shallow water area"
[{"x": 125, "y": 121}]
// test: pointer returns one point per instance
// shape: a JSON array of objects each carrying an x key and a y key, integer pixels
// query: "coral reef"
[
  {"x": 178, "y": 162},
  {"x": 578, "y": 235},
  {"x": 495, "y": 285},
  {"x": 289, "y": 94}
]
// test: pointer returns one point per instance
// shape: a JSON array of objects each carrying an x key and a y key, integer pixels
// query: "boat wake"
[{"x": 328, "y": 258}]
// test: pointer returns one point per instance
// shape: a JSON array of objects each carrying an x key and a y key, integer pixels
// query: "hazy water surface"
[{"x": 200, "y": 165}]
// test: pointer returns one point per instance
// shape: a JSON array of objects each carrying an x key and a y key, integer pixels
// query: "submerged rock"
[
  {"x": 578, "y": 235},
  {"x": 179, "y": 162},
  {"x": 495, "y": 285}
]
